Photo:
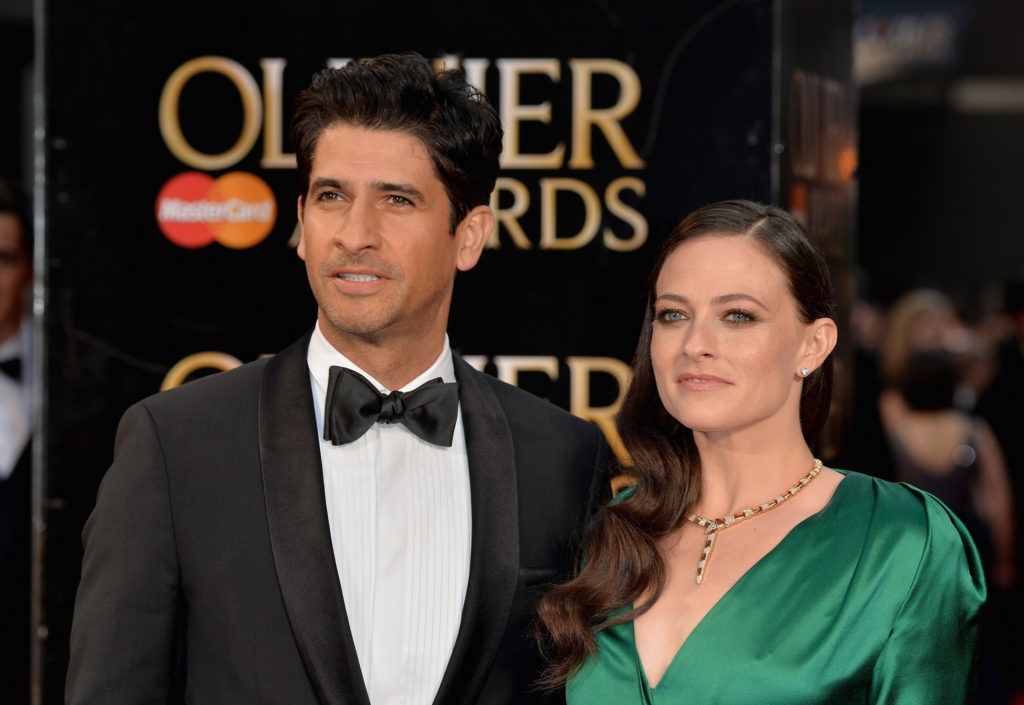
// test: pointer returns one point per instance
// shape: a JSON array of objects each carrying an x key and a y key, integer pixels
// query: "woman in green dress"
[{"x": 736, "y": 569}]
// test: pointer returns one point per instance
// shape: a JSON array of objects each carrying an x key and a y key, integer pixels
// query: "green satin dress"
[{"x": 874, "y": 599}]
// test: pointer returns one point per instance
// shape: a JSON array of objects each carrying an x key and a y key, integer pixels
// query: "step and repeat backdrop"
[{"x": 171, "y": 191}]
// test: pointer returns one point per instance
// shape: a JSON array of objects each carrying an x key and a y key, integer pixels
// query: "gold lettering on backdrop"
[
  {"x": 265, "y": 114},
  {"x": 477, "y": 362},
  {"x": 170, "y": 118},
  {"x": 509, "y": 217},
  {"x": 209, "y": 360},
  {"x": 440, "y": 63},
  {"x": 580, "y": 369},
  {"x": 626, "y": 213},
  {"x": 513, "y": 113},
  {"x": 476, "y": 73},
  {"x": 549, "y": 238},
  {"x": 585, "y": 116},
  {"x": 509, "y": 366},
  {"x": 273, "y": 157}
]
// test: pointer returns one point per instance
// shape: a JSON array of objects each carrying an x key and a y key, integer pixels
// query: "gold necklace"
[{"x": 713, "y": 526}]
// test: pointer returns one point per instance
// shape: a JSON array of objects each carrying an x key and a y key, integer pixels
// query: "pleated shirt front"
[{"x": 399, "y": 513}]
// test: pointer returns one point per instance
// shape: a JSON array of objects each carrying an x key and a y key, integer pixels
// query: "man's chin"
[{"x": 368, "y": 328}]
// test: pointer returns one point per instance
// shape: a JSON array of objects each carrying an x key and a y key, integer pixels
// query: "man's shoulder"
[
  {"x": 240, "y": 385},
  {"x": 223, "y": 389}
]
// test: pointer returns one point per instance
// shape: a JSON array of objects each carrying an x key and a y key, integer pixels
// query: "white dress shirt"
[
  {"x": 399, "y": 513},
  {"x": 15, "y": 402}
]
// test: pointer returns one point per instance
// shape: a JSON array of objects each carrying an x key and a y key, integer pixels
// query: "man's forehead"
[
  {"x": 359, "y": 156},
  {"x": 350, "y": 136}
]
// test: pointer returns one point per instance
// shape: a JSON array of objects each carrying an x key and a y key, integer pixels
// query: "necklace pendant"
[
  {"x": 711, "y": 526},
  {"x": 709, "y": 543}
]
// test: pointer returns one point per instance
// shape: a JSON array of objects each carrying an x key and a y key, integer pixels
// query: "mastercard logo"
[{"x": 237, "y": 210}]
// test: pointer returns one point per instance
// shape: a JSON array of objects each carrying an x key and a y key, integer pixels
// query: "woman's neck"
[{"x": 748, "y": 467}]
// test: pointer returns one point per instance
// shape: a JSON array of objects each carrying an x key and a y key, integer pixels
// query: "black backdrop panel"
[{"x": 126, "y": 304}]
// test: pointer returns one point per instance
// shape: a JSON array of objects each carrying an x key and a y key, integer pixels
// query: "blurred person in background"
[
  {"x": 15, "y": 431},
  {"x": 926, "y": 354},
  {"x": 932, "y": 370},
  {"x": 926, "y": 319},
  {"x": 1001, "y": 406},
  {"x": 955, "y": 456},
  {"x": 922, "y": 319}
]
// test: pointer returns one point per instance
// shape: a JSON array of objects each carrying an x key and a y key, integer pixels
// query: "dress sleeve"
[{"x": 929, "y": 655}]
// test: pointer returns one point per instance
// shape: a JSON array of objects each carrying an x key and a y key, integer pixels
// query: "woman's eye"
[
  {"x": 670, "y": 316},
  {"x": 739, "y": 317}
]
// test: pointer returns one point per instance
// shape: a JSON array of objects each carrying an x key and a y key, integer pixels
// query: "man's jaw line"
[{"x": 385, "y": 352}]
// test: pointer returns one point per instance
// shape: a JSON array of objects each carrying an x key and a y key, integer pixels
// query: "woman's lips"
[{"x": 702, "y": 382}]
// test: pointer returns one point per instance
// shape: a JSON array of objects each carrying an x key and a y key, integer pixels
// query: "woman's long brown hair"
[{"x": 620, "y": 556}]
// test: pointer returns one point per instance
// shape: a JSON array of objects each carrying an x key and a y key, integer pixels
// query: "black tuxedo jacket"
[
  {"x": 209, "y": 575},
  {"x": 15, "y": 579}
]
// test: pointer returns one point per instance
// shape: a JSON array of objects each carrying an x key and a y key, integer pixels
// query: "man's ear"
[
  {"x": 472, "y": 234},
  {"x": 300, "y": 249}
]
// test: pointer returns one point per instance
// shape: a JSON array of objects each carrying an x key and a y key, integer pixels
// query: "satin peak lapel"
[
  {"x": 300, "y": 535},
  {"x": 494, "y": 556}
]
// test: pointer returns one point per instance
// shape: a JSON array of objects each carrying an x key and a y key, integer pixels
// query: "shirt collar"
[{"x": 322, "y": 355}]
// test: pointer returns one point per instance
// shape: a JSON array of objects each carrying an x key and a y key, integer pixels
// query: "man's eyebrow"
[
  {"x": 379, "y": 186},
  {"x": 718, "y": 300},
  {"x": 325, "y": 183},
  {"x": 404, "y": 189}
]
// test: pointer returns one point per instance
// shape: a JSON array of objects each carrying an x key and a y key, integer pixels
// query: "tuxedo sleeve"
[{"x": 123, "y": 633}]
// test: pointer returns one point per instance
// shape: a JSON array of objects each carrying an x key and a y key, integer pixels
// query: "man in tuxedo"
[
  {"x": 15, "y": 454},
  {"x": 362, "y": 518}
]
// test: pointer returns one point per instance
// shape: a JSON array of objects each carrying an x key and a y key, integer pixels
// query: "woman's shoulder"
[
  {"x": 909, "y": 519},
  {"x": 897, "y": 503}
]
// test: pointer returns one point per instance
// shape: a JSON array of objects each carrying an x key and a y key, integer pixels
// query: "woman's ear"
[{"x": 819, "y": 342}]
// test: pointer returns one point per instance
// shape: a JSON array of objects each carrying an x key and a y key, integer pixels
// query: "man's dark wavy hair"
[{"x": 402, "y": 92}]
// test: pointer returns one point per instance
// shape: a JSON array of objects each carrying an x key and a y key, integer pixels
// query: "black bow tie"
[
  {"x": 353, "y": 405},
  {"x": 12, "y": 368}
]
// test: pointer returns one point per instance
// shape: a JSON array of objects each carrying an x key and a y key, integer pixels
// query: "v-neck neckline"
[{"x": 813, "y": 518}]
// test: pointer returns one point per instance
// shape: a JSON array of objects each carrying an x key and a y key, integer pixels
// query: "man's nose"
[{"x": 359, "y": 229}]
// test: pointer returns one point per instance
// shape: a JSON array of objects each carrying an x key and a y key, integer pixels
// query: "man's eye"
[
  {"x": 327, "y": 196},
  {"x": 399, "y": 200}
]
